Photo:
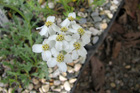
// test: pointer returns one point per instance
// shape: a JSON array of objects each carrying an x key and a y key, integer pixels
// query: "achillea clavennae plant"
[{"x": 62, "y": 44}]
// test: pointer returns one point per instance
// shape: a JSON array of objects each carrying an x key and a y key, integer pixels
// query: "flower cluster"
[{"x": 63, "y": 44}]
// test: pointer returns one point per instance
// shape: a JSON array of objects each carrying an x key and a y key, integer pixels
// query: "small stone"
[
  {"x": 93, "y": 30},
  {"x": 51, "y": 5},
  {"x": 104, "y": 26},
  {"x": 72, "y": 80},
  {"x": 30, "y": 87},
  {"x": 93, "y": 14},
  {"x": 98, "y": 25},
  {"x": 64, "y": 74},
  {"x": 10, "y": 90},
  {"x": 50, "y": 70},
  {"x": 43, "y": 81},
  {"x": 82, "y": 20},
  {"x": 128, "y": 67},
  {"x": 25, "y": 91},
  {"x": 116, "y": 2},
  {"x": 71, "y": 64},
  {"x": 113, "y": 8},
  {"x": 70, "y": 69},
  {"x": 61, "y": 78},
  {"x": 59, "y": 21},
  {"x": 77, "y": 67},
  {"x": 67, "y": 86},
  {"x": 40, "y": 90},
  {"x": 2, "y": 84},
  {"x": 95, "y": 39},
  {"x": 45, "y": 88},
  {"x": 57, "y": 82},
  {"x": 96, "y": 19},
  {"x": 32, "y": 91},
  {"x": 35, "y": 81},
  {"x": 110, "y": 15},
  {"x": 113, "y": 85},
  {"x": 108, "y": 91},
  {"x": 82, "y": 9},
  {"x": 1, "y": 89},
  {"x": 56, "y": 73},
  {"x": 57, "y": 89}
]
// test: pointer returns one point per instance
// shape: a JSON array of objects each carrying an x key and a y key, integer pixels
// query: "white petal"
[
  {"x": 51, "y": 31},
  {"x": 54, "y": 52},
  {"x": 85, "y": 38},
  {"x": 72, "y": 30},
  {"x": 83, "y": 59},
  {"x": 68, "y": 58},
  {"x": 51, "y": 43},
  {"x": 75, "y": 55},
  {"x": 39, "y": 28},
  {"x": 82, "y": 52},
  {"x": 68, "y": 38},
  {"x": 51, "y": 19},
  {"x": 65, "y": 23},
  {"x": 37, "y": 48},
  {"x": 51, "y": 62},
  {"x": 58, "y": 45},
  {"x": 62, "y": 66},
  {"x": 55, "y": 28},
  {"x": 76, "y": 26},
  {"x": 72, "y": 14},
  {"x": 76, "y": 36},
  {"x": 43, "y": 30},
  {"x": 46, "y": 55},
  {"x": 65, "y": 45},
  {"x": 53, "y": 37},
  {"x": 45, "y": 41}
]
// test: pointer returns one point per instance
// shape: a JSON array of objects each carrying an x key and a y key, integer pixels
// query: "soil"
[{"x": 115, "y": 67}]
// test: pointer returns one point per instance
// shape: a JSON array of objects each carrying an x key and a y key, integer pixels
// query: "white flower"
[
  {"x": 77, "y": 49},
  {"x": 49, "y": 27},
  {"x": 61, "y": 41},
  {"x": 70, "y": 20},
  {"x": 80, "y": 33},
  {"x": 44, "y": 49},
  {"x": 59, "y": 59}
]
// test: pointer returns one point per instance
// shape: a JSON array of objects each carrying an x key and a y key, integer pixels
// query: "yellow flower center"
[
  {"x": 45, "y": 47},
  {"x": 60, "y": 37},
  {"x": 71, "y": 18},
  {"x": 81, "y": 31},
  {"x": 77, "y": 45},
  {"x": 64, "y": 29},
  {"x": 60, "y": 58},
  {"x": 48, "y": 23},
  {"x": 74, "y": 0}
]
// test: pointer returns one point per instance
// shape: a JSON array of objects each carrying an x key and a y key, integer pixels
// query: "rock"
[
  {"x": 82, "y": 20},
  {"x": 50, "y": 70},
  {"x": 1, "y": 89},
  {"x": 97, "y": 19},
  {"x": 40, "y": 90},
  {"x": 10, "y": 90},
  {"x": 104, "y": 26},
  {"x": 93, "y": 30},
  {"x": 110, "y": 15},
  {"x": 72, "y": 80},
  {"x": 2, "y": 84},
  {"x": 70, "y": 69},
  {"x": 56, "y": 73},
  {"x": 113, "y": 85},
  {"x": 32, "y": 91},
  {"x": 128, "y": 67},
  {"x": 98, "y": 25},
  {"x": 95, "y": 39},
  {"x": 82, "y": 14},
  {"x": 61, "y": 78},
  {"x": 58, "y": 21},
  {"x": 67, "y": 86},
  {"x": 71, "y": 64},
  {"x": 25, "y": 91},
  {"x": 82, "y": 9},
  {"x": 57, "y": 90},
  {"x": 93, "y": 14},
  {"x": 116, "y": 2},
  {"x": 57, "y": 82},
  {"x": 77, "y": 67},
  {"x": 43, "y": 81},
  {"x": 113, "y": 7},
  {"x": 51, "y": 5},
  {"x": 35, "y": 81},
  {"x": 64, "y": 74},
  {"x": 30, "y": 87},
  {"x": 45, "y": 88}
]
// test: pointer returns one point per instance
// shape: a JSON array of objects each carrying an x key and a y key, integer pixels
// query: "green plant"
[
  {"x": 16, "y": 44},
  {"x": 97, "y": 3}
]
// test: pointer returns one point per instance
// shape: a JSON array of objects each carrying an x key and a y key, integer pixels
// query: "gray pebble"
[{"x": 82, "y": 20}]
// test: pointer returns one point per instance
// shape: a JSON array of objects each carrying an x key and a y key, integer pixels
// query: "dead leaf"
[
  {"x": 116, "y": 27},
  {"x": 97, "y": 74},
  {"x": 131, "y": 43},
  {"x": 132, "y": 35},
  {"x": 123, "y": 19},
  {"x": 116, "y": 50}
]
